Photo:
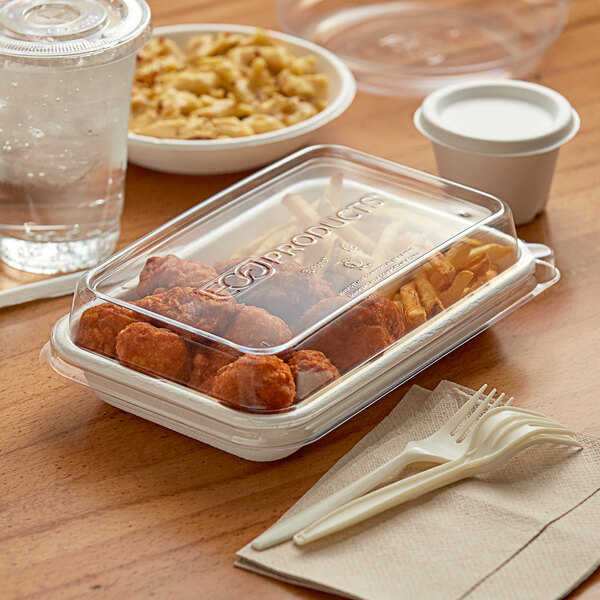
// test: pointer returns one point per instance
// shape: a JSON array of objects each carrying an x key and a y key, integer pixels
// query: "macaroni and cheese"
[{"x": 222, "y": 85}]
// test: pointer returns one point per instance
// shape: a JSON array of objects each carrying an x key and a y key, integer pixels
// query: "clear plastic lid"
[
  {"x": 71, "y": 32},
  {"x": 413, "y": 48},
  {"x": 293, "y": 278}
]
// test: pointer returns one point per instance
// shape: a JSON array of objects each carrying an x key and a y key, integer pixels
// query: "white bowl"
[{"x": 204, "y": 157}]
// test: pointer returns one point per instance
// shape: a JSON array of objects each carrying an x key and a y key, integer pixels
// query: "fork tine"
[
  {"x": 558, "y": 430},
  {"x": 482, "y": 406},
  {"x": 537, "y": 427},
  {"x": 569, "y": 442},
  {"x": 521, "y": 414},
  {"x": 541, "y": 431},
  {"x": 543, "y": 422},
  {"x": 536, "y": 421},
  {"x": 533, "y": 413},
  {"x": 464, "y": 410},
  {"x": 509, "y": 401},
  {"x": 559, "y": 439},
  {"x": 532, "y": 439},
  {"x": 538, "y": 416},
  {"x": 498, "y": 400}
]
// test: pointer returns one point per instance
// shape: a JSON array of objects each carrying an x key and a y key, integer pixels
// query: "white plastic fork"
[
  {"x": 440, "y": 447},
  {"x": 495, "y": 439}
]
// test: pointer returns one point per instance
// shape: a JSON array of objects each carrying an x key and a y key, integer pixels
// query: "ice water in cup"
[{"x": 64, "y": 110}]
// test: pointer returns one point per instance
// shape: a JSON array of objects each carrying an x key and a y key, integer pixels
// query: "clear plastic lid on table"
[
  {"x": 288, "y": 282},
  {"x": 71, "y": 33},
  {"x": 414, "y": 48}
]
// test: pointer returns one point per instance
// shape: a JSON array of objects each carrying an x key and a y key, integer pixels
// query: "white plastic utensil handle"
[
  {"x": 415, "y": 486},
  {"x": 47, "y": 288},
  {"x": 285, "y": 530},
  {"x": 380, "y": 500}
]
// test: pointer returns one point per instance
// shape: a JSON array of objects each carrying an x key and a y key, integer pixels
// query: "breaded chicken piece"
[
  {"x": 253, "y": 327},
  {"x": 311, "y": 371},
  {"x": 356, "y": 335},
  {"x": 192, "y": 307},
  {"x": 286, "y": 293},
  {"x": 207, "y": 361},
  {"x": 256, "y": 383},
  {"x": 100, "y": 325},
  {"x": 170, "y": 271},
  {"x": 154, "y": 351},
  {"x": 256, "y": 328}
]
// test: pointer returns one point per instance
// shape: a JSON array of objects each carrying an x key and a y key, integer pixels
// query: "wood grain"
[{"x": 97, "y": 503}]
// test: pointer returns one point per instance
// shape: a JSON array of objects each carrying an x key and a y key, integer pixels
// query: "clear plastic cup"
[{"x": 64, "y": 109}]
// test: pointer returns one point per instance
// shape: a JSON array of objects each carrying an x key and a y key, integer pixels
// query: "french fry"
[
  {"x": 442, "y": 271},
  {"x": 269, "y": 238},
  {"x": 411, "y": 305},
  {"x": 458, "y": 287},
  {"x": 393, "y": 240},
  {"x": 428, "y": 296},
  {"x": 473, "y": 242},
  {"x": 477, "y": 264},
  {"x": 491, "y": 273},
  {"x": 307, "y": 215},
  {"x": 330, "y": 199},
  {"x": 477, "y": 282},
  {"x": 494, "y": 251},
  {"x": 481, "y": 278},
  {"x": 458, "y": 254}
]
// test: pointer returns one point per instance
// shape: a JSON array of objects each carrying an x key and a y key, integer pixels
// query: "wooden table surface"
[{"x": 98, "y": 503}]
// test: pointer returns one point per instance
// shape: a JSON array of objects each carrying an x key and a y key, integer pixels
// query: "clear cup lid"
[{"x": 65, "y": 32}]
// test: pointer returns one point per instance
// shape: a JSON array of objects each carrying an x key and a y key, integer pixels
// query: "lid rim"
[
  {"x": 531, "y": 53},
  {"x": 565, "y": 124},
  {"x": 120, "y": 36}
]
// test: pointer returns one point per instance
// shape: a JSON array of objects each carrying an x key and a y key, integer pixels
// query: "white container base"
[{"x": 274, "y": 436}]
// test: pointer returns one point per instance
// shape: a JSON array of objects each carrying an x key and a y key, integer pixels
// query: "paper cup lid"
[
  {"x": 497, "y": 117},
  {"x": 71, "y": 32}
]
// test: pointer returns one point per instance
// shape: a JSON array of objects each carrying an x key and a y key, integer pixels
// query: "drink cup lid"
[
  {"x": 71, "y": 32},
  {"x": 497, "y": 118}
]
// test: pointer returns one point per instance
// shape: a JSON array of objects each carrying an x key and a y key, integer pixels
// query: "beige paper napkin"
[{"x": 476, "y": 539}]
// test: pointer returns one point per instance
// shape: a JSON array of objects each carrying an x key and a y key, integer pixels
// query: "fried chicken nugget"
[
  {"x": 258, "y": 383},
  {"x": 209, "y": 312},
  {"x": 207, "y": 362},
  {"x": 100, "y": 325},
  {"x": 154, "y": 351},
  {"x": 311, "y": 371},
  {"x": 356, "y": 335},
  {"x": 255, "y": 327},
  {"x": 286, "y": 293},
  {"x": 170, "y": 271}
]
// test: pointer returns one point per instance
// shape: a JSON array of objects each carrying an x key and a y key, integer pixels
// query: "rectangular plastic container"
[{"x": 337, "y": 276}]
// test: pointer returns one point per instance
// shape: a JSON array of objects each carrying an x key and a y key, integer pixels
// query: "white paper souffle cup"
[{"x": 499, "y": 136}]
